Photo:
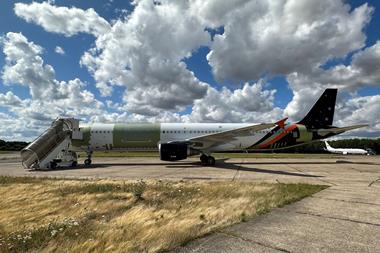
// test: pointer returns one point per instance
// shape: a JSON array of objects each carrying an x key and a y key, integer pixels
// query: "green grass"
[
  {"x": 8, "y": 152},
  {"x": 217, "y": 155},
  {"x": 38, "y": 237},
  {"x": 122, "y": 154},
  {"x": 7, "y": 180}
]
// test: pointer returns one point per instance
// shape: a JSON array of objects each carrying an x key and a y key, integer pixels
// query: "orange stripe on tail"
[{"x": 279, "y": 137}]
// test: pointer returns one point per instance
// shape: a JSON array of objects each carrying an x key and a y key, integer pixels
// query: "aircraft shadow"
[{"x": 221, "y": 164}]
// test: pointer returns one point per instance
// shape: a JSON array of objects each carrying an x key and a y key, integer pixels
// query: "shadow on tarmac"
[{"x": 220, "y": 164}]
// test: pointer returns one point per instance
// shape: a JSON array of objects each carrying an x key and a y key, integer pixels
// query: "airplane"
[
  {"x": 178, "y": 141},
  {"x": 345, "y": 151}
]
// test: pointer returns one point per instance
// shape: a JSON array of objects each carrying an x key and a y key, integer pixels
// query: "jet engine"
[{"x": 176, "y": 151}]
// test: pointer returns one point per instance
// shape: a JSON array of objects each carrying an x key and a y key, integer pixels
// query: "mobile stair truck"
[{"x": 52, "y": 148}]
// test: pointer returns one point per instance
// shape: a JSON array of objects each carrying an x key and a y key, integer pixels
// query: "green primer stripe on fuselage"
[{"x": 136, "y": 135}]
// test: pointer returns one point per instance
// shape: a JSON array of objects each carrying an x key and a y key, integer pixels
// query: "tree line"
[
  {"x": 314, "y": 147},
  {"x": 12, "y": 145}
]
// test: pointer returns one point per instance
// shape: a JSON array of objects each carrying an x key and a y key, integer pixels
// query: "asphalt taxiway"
[{"x": 343, "y": 218}]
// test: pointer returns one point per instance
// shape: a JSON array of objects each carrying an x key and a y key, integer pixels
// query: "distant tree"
[{"x": 12, "y": 145}]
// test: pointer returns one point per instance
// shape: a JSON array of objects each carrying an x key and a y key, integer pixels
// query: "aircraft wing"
[
  {"x": 206, "y": 141},
  {"x": 338, "y": 130}
]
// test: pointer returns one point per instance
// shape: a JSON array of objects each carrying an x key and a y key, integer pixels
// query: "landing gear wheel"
[
  {"x": 74, "y": 164},
  {"x": 210, "y": 160},
  {"x": 87, "y": 162},
  {"x": 53, "y": 165},
  {"x": 207, "y": 160},
  {"x": 204, "y": 159}
]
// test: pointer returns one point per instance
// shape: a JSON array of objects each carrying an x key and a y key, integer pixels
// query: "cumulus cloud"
[
  {"x": 24, "y": 66},
  {"x": 281, "y": 37},
  {"x": 10, "y": 100},
  {"x": 144, "y": 53},
  {"x": 363, "y": 110},
  {"x": 59, "y": 50},
  {"x": 250, "y": 104},
  {"x": 362, "y": 72},
  {"x": 64, "y": 20},
  {"x": 50, "y": 98}
]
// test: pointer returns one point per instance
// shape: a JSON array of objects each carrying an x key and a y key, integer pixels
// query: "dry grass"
[{"x": 49, "y": 215}]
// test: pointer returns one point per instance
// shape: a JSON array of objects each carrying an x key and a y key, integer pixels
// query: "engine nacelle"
[{"x": 176, "y": 151}]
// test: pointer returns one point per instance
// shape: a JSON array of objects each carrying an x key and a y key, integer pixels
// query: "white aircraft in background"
[{"x": 346, "y": 151}]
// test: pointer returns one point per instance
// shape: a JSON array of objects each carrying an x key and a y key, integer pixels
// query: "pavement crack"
[
  {"x": 336, "y": 218},
  {"x": 230, "y": 234},
  {"x": 237, "y": 173},
  {"x": 348, "y": 201},
  {"x": 169, "y": 173},
  {"x": 374, "y": 181},
  {"x": 322, "y": 180}
]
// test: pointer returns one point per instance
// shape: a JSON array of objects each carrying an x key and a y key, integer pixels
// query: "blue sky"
[{"x": 67, "y": 66}]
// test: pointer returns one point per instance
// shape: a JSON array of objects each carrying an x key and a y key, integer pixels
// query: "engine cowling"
[{"x": 175, "y": 151}]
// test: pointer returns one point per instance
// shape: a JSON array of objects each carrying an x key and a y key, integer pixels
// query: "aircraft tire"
[
  {"x": 204, "y": 159},
  {"x": 53, "y": 165},
  {"x": 211, "y": 160},
  {"x": 87, "y": 162}
]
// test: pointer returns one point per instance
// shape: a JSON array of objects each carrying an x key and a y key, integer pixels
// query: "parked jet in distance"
[
  {"x": 177, "y": 141},
  {"x": 345, "y": 151}
]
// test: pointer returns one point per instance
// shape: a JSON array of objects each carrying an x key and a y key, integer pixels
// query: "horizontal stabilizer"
[
  {"x": 338, "y": 130},
  {"x": 281, "y": 123}
]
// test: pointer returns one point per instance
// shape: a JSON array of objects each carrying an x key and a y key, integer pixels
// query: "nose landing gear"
[
  {"x": 207, "y": 160},
  {"x": 88, "y": 161}
]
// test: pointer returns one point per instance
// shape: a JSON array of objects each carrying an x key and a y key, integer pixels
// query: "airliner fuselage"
[{"x": 148, "y": 136}]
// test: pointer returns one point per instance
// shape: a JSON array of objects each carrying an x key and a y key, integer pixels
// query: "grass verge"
[
  {"x": 50, "y": 215},
  {"x": 217, "y": 155}
]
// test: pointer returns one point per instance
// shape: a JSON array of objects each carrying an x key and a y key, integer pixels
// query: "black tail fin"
[{"x": 322, "y": 113}]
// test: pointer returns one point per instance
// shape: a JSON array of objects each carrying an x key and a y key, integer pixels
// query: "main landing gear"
[{"x": 207, "y": 160}]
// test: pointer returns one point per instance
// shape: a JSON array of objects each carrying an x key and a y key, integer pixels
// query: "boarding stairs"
[{"x": 40, "y": 153}]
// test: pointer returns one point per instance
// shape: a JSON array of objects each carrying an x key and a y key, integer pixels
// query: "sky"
[{"x": 186, "y": 61}]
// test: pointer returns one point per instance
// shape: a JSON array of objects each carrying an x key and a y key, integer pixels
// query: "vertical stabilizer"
[{"x": 321, "y": 114}]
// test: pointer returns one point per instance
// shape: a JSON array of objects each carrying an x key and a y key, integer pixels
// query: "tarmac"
[{"x": 343, "y": 218}]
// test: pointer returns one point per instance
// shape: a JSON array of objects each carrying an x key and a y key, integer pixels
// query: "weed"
[
  {"x": 138, "y": 190},
  {"x": 35, "y": 238},
  {"x": 127, "y": 216}
]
